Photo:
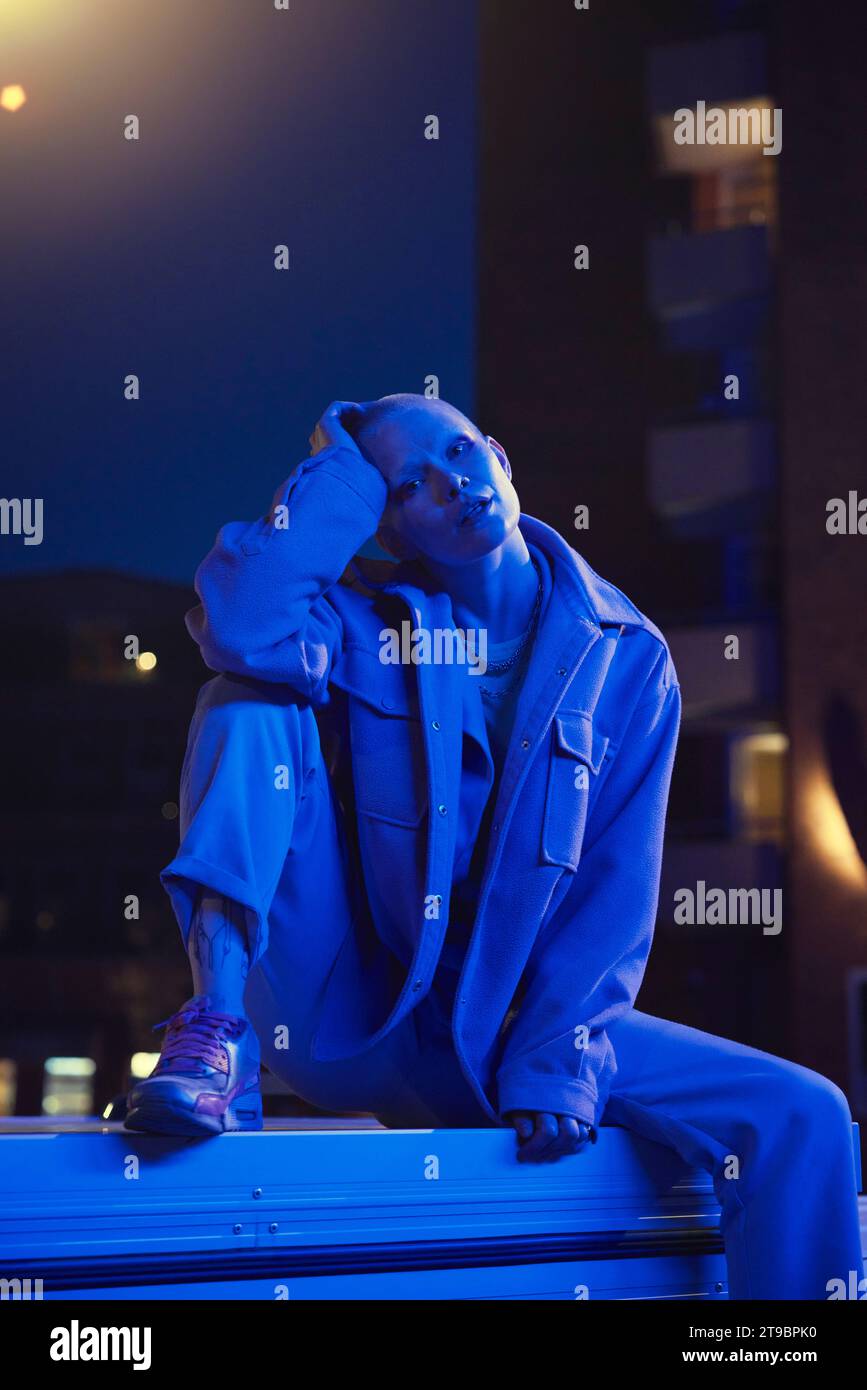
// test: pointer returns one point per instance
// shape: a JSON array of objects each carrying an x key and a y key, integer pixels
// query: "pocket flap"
[
  {"x": 388, "y": 688},
  {"x": 576, "y": 736}
]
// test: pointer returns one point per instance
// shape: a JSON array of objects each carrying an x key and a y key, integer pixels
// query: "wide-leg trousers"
[{"x": 775, "y": 1136}]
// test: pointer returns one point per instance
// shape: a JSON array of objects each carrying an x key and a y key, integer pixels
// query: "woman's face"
[{"x": 450, "y": 495}]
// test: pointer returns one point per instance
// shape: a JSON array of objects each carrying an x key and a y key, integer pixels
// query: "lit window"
[
  {"x": 8, "y": 1082},
  {"x": 68, "y": 1087},
  {"x": 732, "y": 184},
  {"x": 739, "y": 141},
  {"x": 758, "y": 785}
]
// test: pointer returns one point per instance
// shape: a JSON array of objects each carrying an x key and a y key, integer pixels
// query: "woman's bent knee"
[{"x": 804, "y": 1102}]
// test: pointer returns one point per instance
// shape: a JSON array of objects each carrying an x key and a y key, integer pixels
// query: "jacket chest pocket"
[
  {"x": 575, "y": 765},
  {"x": 386, "y": 739}
]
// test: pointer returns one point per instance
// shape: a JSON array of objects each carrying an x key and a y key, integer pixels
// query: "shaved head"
[{"x": 363, "y": 423}]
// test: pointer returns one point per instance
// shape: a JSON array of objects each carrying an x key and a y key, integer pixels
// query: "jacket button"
[
  {"x": 416, "y": 984},
  {"x": 435, "y": 724},
  {"x": 525, "y": 743},
  {"x": 562, "y": 671},
  {"x": 442, "y": 810}
]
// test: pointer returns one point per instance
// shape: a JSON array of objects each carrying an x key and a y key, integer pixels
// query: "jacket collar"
[{"x": 589, "y": 596}]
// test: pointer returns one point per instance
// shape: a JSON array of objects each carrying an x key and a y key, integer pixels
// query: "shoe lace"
[{"x": 198, "y": 1033}]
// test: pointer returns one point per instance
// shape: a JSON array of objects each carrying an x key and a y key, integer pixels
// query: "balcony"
[
  {"x": 699, "y": 468},
  {"x": 689, "y": 273},
  {"x": 713, "y": 683}
]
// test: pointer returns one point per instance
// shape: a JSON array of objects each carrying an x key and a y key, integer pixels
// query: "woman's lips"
[{"x": 476, "y": 511}]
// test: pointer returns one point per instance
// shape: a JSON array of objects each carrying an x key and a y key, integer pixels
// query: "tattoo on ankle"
[
  {"x": 211, "y": 941},
  {"x": 214, "y": 932},
  {"x": 236, "y": 914}
]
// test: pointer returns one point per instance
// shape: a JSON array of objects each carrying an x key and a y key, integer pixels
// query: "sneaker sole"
[{"x": 244, "y": 1113}]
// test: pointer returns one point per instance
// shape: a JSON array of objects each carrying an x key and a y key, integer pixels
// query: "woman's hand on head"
[{"x": 331, "y": 429}]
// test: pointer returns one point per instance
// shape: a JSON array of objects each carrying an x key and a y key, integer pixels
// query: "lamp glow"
[
  {"x": 825, "y": 823},
  {"x": 13, "y": 97}
]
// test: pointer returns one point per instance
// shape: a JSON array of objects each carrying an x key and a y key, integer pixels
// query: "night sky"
[{"x": 155, "y": 257}]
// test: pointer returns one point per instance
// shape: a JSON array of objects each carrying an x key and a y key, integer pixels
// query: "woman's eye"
[{"x": 410, "y": 487}]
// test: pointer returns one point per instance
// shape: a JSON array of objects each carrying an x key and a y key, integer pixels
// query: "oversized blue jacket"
[{"x": 568, "y": 897}]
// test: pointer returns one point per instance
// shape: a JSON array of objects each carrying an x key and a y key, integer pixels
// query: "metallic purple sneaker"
[{"x": 207, "y": 1078}]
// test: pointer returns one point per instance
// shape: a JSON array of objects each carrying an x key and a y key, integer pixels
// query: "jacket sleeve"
[
  {"x": 588, "y": 962},
  {"x": 264, "y": 609}
]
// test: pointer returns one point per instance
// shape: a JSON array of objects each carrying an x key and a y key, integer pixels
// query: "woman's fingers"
[
  {"x": 545, "y": 1133},
  {"x": 329, "y": 428},
  {"x": 543, "y": 1137}
]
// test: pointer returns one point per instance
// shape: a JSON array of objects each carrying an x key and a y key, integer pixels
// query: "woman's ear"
[
  {"x": 501, "y": 455},
  {"x": 394, "y": 543}
]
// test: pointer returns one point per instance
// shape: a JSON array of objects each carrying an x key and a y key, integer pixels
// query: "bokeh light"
[{"x": 13, "y": 97}]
